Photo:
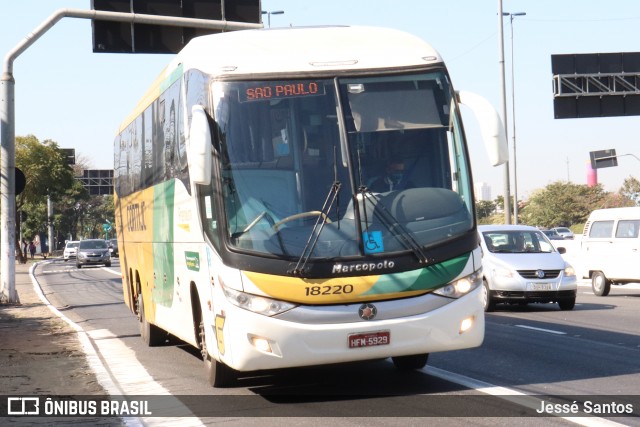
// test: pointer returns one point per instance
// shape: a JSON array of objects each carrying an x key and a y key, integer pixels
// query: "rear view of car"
[
  {"x": 93, "y": 251},
  {"x": 565, "y": 232},
  {"x": 113, "y": 247},
  {"x": 70, "y": 249},
  {"x": 552, "y": 234},
  {"x": 521, "y": 266}
]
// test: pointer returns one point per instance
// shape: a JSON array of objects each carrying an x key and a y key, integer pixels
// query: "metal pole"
[
  {"x": 7, "y": 120},
  {"x": 50, "y": 223},
  {"x": 503, "y": 99},
  {"x": 8, "y": 291},
  {"x": 513, "y": 122}
]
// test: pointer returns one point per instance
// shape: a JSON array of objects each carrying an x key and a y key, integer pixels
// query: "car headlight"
[
  {"x": 462, "y": 286},
  {"x": 257, "y": 304},
  {"x": 569, "y": 271},
  {"x": 502, "y": 272}
]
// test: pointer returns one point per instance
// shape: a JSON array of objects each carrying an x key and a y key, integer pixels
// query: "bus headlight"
[
  {"x": 461, "y": 286},
  {"x": 257, "y": 304}
]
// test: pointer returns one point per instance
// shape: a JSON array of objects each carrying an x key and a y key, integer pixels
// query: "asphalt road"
[{"x": 593, "y": 350}]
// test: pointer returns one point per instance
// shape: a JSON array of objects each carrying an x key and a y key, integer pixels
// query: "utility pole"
[{"x": 503, "y": 100}]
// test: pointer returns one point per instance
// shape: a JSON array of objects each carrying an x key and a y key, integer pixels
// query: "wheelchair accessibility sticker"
[{"x": 372, "y": 242}]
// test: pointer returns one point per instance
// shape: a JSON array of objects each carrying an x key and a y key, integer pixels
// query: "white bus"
[{"x": 247, "y": 218}]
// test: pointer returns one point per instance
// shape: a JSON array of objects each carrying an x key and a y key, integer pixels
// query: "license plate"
[
  {"x": 369, "y": 339},
  {"x": 539, "y": 286}
]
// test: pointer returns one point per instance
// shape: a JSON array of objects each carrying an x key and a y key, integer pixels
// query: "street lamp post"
[
  {"x": 503, "y": 102},
  {"x": 513, "y": 119},
  {"x": 271, "y": 12}
]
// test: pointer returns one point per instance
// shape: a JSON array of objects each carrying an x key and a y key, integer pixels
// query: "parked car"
[
  {"x": 521, "y": 266},
  {"x": 113, "y": 247},
  {"x": 70, "y": 249},
  {"x": 552, "y": 234},
  {"x": 93, "y": 251},
  {"x": 565, "y": 232}
]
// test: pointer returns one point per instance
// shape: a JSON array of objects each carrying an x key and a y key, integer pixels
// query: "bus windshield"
[{"x": 330, "y": 168}]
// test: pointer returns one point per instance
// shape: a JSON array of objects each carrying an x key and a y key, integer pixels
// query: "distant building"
[{"x": 482, "y": 191}]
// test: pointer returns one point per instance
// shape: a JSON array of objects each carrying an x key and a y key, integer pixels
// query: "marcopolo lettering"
[{"x": 362, "y": 266}]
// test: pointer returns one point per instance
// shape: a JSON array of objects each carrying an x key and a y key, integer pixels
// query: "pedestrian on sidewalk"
[
  {"x": 25, "y": 247},
  {"x": 32, "y": 249}
]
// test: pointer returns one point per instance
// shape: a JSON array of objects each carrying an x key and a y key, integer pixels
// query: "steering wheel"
[
  {"x": 301, "y": 215},
  {"x": 263, "y": 214}
]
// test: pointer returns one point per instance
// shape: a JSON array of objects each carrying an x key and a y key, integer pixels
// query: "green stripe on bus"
[
  {"x": 424, "y": 279},
  {"x": 163, "y": 260}
]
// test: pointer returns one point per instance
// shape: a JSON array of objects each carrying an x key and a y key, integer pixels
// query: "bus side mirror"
[
  {"x": 491, "y": 126},
  {"x": 199, "y": 146}
]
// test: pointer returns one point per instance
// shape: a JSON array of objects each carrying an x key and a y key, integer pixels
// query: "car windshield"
[
  {"x": 521, "y": 241},
  {"x": 72, "y": 245},
  {"x": 93, "y": 244}
]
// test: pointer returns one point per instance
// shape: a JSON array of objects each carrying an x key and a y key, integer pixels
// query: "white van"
[{"x": 611, "y": 248}]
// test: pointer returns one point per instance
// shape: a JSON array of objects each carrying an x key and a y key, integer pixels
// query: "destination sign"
[{"x": 277, "y": 90}]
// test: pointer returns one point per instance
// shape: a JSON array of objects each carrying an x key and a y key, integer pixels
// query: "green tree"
[
  {"x": 47, "y": 175},
  {"x": 631, "y": 190},
  {"x": 562, "y": 203},
  {"x": 484, "y": 209},
  {"x": 92, "y": 214},
  {"x": 67, "y": 212}
]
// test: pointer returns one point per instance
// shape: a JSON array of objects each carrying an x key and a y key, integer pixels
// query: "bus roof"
[
  {"x": 293, "y": 50},
  {"x": 305, "y": 49}
]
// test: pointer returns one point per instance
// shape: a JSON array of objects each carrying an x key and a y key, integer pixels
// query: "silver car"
[
  {"x": 93, "y": 251},
  {"x": 565, "y": 232},
  {"x": 521, "y": 266}
]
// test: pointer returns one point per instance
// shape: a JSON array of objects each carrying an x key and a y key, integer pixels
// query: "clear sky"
[{"x": 66, "y": 93}]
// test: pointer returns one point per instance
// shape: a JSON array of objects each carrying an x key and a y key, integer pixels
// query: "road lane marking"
[
  {"x": 124, "y": 375},
  {"x": 551, "y": 331},
  {"x": 513, "y": 396},
  {"x": 109, "y": 270}
]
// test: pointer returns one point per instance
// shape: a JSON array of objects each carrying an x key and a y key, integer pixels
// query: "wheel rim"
[
  {"x": 598, "y": 282},
  {"x": 485, "y": 295}
]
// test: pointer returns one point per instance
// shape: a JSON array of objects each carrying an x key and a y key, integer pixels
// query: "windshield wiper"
[
  {"x": 332, "y": 196},
  {"x": 403, "y": 235}
]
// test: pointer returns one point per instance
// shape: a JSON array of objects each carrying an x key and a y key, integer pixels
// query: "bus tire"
[
  {"x": 600, "y": 284},
  {"x": 217, "y": 373},
  {"x": 152, "y": 335},
  {"x": 410, "y": 363}
]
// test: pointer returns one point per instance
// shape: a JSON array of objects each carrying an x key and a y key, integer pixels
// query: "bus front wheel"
[
  {"x": 217, "y": 373},
  {"x": 412, "y": 362}
]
